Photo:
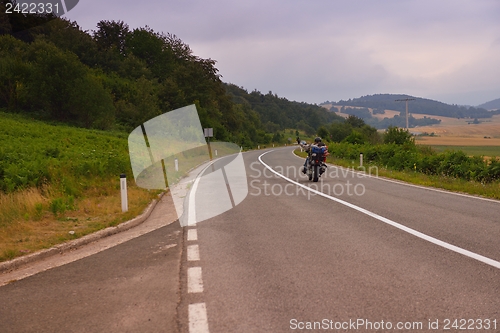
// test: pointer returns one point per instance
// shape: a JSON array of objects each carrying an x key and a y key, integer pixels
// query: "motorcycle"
[{"x": 315, "y": 165}]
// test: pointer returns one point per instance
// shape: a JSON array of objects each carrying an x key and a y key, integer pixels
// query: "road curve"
[{"x": 286, "y": 259}]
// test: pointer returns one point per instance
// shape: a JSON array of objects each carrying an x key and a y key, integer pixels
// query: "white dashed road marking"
[
  {"x": 192, "y": 235},
  {"x": 197, "y": 313},
  {"x": 198, "y": 321},
  {"x": 193, "y": 253},
  {"x": 195, "y": 283}
]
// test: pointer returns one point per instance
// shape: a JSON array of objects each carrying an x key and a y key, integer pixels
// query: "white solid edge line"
[
  {"x": 195, "y": 282},
  {"x": 408, "y": 184},
  {"x": 433, "y": 240},
  {"x": 192, "y": 194},
  {"x": 198, "y": 319}
]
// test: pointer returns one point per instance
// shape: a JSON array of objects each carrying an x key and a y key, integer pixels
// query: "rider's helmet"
[{"x": 317, "y": 140}]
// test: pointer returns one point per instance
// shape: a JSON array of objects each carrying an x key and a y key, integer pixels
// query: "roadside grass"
[
  {"x": 55, "y": 179},
  {"x": 59, "y": 183},
  {"x": 488, "y": 190},
  {"x": 32, "y": 220}
]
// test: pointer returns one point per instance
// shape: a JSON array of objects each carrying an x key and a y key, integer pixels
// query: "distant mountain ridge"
[
  {"x": 419, "y": 105},
  {"x": 491, "y": 105}
]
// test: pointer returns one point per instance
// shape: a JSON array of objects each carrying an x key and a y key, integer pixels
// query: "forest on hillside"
[
  {"x": 491, "y": 105},
  {"x": 279, "y": 113},
  {"x": 419, "y": 105},
  {"x": 386, "y": 122},
  {"x": 116, "y": 78}
]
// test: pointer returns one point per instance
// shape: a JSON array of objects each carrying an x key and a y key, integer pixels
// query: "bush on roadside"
[{"x": 410, "y": 157}]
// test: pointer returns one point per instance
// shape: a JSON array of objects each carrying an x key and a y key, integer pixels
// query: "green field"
[
  {"x": 55, "y": 179},
  {"x": 35, "y": 154}
]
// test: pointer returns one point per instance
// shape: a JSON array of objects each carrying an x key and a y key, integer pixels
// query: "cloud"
[{"x": 323, "y": 49}]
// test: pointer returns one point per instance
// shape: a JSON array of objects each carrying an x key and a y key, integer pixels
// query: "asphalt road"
[
  {"x": 373, "y": 255},
  {"x": 128, "y": 282},
  {"x": 286, "y": 258}
]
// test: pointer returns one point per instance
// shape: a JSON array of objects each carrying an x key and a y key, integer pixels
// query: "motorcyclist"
[{"x": 306, "y": 147}]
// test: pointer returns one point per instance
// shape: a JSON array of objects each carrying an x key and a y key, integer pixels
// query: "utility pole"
[{"x": 405, "y": 100}]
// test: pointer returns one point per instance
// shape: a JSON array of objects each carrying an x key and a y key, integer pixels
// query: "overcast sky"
[{"x": 318, "y": 50}]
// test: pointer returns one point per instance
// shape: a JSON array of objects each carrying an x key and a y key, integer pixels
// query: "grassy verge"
[
  {"x": 58, "y": 183},
  {"x": 36, "y": 223},
  {"x": 489, "y": 190}
]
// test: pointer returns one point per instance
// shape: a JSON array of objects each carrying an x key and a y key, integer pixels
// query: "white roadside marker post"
[
  {"x": 123, "y": 190},
  {"x": 361, "y": 159}
]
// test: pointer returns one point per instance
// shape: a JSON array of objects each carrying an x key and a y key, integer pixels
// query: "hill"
[
  {"x": 278, "y": 113},
  {"x": 117, "y": 78},
  {"x": 491, "y": 105},
  {"x": 380, "y": 102}
]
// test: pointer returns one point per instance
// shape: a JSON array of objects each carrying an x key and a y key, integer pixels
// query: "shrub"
[
  {"x": 492, "y": 171},
  {"x": 398, "y": 136},
  {"x": 408, "y": 156},
  {"x": 355, "y": 138}
]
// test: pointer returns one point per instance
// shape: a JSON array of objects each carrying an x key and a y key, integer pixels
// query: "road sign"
[{"x": 209, "y": 132}]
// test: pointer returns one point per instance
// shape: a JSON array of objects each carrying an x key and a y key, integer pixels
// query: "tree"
[
  {"x": 22, "y": 26},
  {"x": 111, "y": 35},
  {"x": 62, "y": 88},
  {"x": 5, "y": 26},
  {"x": 57, "y": 71},
  {"x": 355, "y": 122},
  {"x": 355, "y": 138},
  {"x": 13, "y": 70},
  {"x": 339, "y": 131},
  {"x": 302, "y": 125},
  {"x": 314, "y": 119},
  {"x": 110, "y": 39},
  {"x": 323, "y": 133},
  {"x": 371, "y": 134},
  {"x": 278, "y": 138},
  {"x": 399, "y": 136},
  {"x": 137, "y": 102},
  {"x": 148, "y": 46},
  {"x": 68, "y": 36},
  {"x": 91, "y": 105},
  {"x": 54, "y": 76}
]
